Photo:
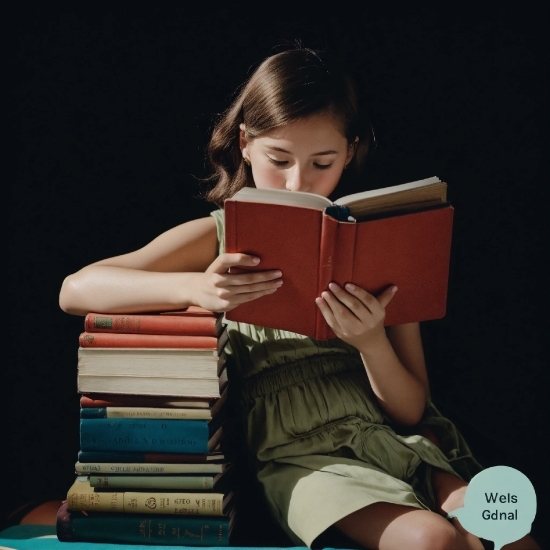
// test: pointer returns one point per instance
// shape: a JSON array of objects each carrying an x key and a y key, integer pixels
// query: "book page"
[{"x": 280, "y": 196}]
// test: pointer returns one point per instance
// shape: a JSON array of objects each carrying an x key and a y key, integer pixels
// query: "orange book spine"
[
  {"x": 151, "y": 324},
  {"x": 118, "y": 340}
]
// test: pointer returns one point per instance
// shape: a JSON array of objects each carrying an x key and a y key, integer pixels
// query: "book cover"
[
  {"x": 410, "y": 250},
  {"x": 164, "y": 482},
  {"x": 210, "y": 388},
  {"x": 180, "y": 324},
  {"x": 138, "y": 468},
  {"x": 145, "y": 412},
  {"x": 148, "y": 435},
  {"x": 120, "y": 340},
  {"x": 169, "y": 362},
  {"x": 122, "y": 400},
  {"x": 217, "y": 409},
  {"x": 135, "y": 456},
  {"x": 76, "y": 526},
  {"x": 81, "y": 496}
]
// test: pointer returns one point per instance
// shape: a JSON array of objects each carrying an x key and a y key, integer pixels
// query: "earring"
[{"x": 246, "y": 161}]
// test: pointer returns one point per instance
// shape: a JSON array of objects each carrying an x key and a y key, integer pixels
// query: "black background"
[{"x": 110, "y": 113}]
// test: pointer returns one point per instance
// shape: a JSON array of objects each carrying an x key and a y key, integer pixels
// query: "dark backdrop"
[{"x": 110, "y": 111}]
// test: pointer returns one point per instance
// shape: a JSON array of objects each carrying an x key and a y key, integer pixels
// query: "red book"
[
  {"x": 93, "y": 400},
  {"x": 119, "y": 340},
  {"x": 197, "y": 322},
  {"x": 394, "y": 236}
]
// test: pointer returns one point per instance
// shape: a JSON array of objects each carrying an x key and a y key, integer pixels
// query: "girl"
[{"x": 342, "y": 431}]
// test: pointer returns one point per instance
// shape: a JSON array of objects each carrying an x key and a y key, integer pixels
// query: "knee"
[{"x": 435, "y": 535}]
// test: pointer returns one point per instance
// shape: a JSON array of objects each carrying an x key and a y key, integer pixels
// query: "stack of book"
[{"x": 153, "y": 466}]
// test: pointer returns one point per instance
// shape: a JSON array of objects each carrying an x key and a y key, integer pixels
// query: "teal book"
[
  {"x": 148, "y": 435},
  {"x": 142, "y": 528}
]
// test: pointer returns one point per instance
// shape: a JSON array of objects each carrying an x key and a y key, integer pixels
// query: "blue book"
[{"x": 147, "y": 435}]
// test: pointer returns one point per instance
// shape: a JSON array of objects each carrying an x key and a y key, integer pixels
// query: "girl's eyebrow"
[{"x": 281, "y": 150}]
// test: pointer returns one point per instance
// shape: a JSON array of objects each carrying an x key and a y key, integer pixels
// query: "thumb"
[{"x": 386, "y": 295}]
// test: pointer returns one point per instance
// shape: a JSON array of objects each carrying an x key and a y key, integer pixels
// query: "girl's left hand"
[{"x": 354, "y": 315}]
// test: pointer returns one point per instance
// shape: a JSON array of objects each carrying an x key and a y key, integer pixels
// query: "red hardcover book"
[
  {"x": 393, "y": 236},
  {"x": 119, "y": 340},
  {"x": 92, "y": 400},
  {"x": 174, "y": 323}
]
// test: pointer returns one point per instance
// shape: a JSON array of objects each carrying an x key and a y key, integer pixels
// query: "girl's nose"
[{"x": 297, "y": 181}]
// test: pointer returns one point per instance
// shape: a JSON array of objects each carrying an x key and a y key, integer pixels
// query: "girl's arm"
[
  {"x": 394, "y": 360},
  {"x": 177, "y": 269}
]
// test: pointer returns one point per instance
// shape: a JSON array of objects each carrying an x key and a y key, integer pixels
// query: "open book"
[
  {"x": 395, "y": 235},
  {"x": 415, "y": 195}
]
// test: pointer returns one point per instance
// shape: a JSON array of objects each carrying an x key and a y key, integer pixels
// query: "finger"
[
  {"x": 373, "y": 303},
  {"x": 249, "y": 296},
  {"x": 386, "y": 296},
  {"x": 354, "y": 304},
  {"x": 224, "y": 261},
  {"x": 245, "y": 279},
  {"x": 327, "y": 312},
  {"x": 339, "y": 310},
  {"x": 243, "y": 288}
]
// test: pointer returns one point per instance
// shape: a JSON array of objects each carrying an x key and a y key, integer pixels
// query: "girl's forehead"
[{"x": 315, "y": 128}]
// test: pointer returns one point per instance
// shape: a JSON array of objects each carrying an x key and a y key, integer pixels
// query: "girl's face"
[{"x": 307, "y": 155}]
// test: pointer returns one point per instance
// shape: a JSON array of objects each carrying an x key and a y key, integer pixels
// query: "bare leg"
[
  {"x": 43, "y": 514},
  {"x": 449, "y": 492},
  {"x": 385, "y": 526}
]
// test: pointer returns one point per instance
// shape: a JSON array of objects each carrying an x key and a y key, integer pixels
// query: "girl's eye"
[
  {"x": 322, "y": 166},
  {"x": 277, "y": 162}
]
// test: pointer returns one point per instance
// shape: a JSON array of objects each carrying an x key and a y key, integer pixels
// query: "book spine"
[
  {"x": 89, "y": 468},
  {"x": 145, "y": 435},
  {"x": 116, "y": 456},
  {"x": 162, "y": 482},
  {"x": 151, "y": 324},
  {"x": 230, "y": 212},
  {"x": 145, "y": 412},
  {"x": 329, "y": 230},
  {"x": 141, "y": 529},
  {"x": 145, "y": 502},
  {"x": 120, "y": 400},
  {"x": 117, "y": 340},
  {"x": 196, "y": 388}
]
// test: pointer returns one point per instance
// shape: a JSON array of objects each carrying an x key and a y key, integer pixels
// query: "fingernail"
[
  {"x": 256, "y": 260},
  {"x": 333, "y": 286},
  {"x": 394, "y": 288},
  {"x": 318, "y": 301},
  {"x": 279, "y": 283},
  {"x": 350, "y": 286},
  {"x": 278, "y": 273},
  {"x": 272, "y": 290}
]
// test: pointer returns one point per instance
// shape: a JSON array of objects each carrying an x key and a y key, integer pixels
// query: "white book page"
[{"x": 385, "y": 190}]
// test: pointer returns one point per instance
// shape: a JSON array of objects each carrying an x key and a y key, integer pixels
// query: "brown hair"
[{"x": 285, "y": 87}]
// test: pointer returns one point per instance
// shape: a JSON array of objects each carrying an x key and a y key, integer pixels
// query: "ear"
[
  {"x": 352, "y": 147},
  {"x": 243, "y": 142}
]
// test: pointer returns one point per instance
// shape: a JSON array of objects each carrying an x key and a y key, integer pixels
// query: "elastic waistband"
[{"x": 275, "y": 378}]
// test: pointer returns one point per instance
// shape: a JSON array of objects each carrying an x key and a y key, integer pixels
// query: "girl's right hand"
[{"x": 220, "y": 290}]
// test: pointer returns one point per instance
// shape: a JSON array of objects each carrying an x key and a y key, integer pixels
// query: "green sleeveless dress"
[{"x": 322, "y": 446}]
